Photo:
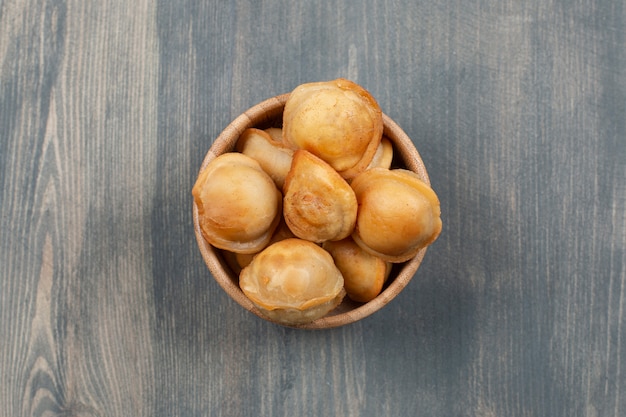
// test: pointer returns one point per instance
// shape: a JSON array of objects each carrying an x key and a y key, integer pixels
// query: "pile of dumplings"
[{"x": 312, "y": 211}]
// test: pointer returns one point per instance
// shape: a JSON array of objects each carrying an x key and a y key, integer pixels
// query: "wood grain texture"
[{"x": 107, "y": 109}]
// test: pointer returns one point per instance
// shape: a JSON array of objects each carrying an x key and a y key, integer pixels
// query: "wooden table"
[{"x": 108, "y": 107}]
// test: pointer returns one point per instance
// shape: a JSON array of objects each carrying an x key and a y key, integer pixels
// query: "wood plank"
[{"x": 107, "y": 110}]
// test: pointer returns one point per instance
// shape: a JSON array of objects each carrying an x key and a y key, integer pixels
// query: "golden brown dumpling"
[
  {"x": 238, "y": 204},
  {"x": 338, "y": 121},
  {"x": 383, "y": 156},
  {"x": 274, "y": 157},
  {"x": 398, "y": 214},
  {"x": 293, "y": 281},
  {"x": 318, "y": 204},
  {"x": 363, "y": 274},
  {"x": 276, "y": 133}
]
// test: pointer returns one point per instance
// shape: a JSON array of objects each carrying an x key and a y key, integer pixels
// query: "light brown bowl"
[{"x": 269, "y": 113}]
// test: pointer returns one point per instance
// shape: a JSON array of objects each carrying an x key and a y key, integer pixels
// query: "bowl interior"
[{"x": 269, "y": 114}]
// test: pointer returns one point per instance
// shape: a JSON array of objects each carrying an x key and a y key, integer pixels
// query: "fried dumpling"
[
  {"x": 239, "y": 206},
  {"x": 363, "y": 274},
  {"x": 398, "y": 214},
  {"x": 292, "y": 282},
  {"x": 383, "y": 156},
  {"x": 338, "y": 121},
  {"x": 318, "y": 204},
  {"x": 274, "y": 157}
]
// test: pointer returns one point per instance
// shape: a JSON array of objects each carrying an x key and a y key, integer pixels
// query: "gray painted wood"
[{"x": 107, "y": 109}]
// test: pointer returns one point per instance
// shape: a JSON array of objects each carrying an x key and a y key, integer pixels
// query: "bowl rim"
[{"x": 264, "y": 112}]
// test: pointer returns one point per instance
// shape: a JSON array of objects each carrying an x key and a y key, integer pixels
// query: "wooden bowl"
[{"x": 267, "y": 114}]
